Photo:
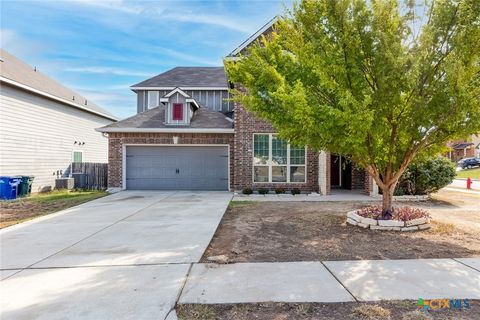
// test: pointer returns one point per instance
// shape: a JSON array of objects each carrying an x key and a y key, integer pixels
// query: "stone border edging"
[
  {"x": 424, "y": 197},
  {"x": 387, "y": 225}
]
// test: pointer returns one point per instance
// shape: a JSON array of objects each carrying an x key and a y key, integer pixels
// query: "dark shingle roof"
[
  {"x": 188, "y": 77},
  {"x": 18, "y": 71},
  {"x": 155, "y": 118},
  {"x": 460, "y": 146}
]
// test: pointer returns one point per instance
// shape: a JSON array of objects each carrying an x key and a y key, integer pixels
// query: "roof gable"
[
  {"x": 175, "y": 91},
  {"x": 263, "y": 30},
  {"x": 19, "y": 74}
]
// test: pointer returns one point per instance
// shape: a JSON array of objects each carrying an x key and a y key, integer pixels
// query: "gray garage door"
[{"x": 177, "y": 168}]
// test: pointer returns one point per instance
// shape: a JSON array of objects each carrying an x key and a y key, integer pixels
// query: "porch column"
[
  {"x": 322, "y": 173},
  {"x": 374, "y": 190}
]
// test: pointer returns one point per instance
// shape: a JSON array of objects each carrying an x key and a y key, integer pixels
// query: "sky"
[{"x": 100, "y": 48}]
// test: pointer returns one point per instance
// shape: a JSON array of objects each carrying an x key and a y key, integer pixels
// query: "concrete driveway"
[{"x": 124, "y": 256}]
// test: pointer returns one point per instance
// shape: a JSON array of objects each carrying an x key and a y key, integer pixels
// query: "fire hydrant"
[{"x": 469, "y": 183}]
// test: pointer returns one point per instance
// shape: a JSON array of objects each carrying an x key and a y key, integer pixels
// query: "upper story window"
[
  {"x": 275, "y": 160},
  {"x": 177, "y": 111},
  {"x": 152, "y": 99}
]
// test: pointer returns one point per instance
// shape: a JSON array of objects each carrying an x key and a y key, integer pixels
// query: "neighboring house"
[
  {"x": 464, "y": 148},
  {"x": 183, "y": 137},
  {"x": 476, "y": 144},
  {"x": 44, "y": 126}
]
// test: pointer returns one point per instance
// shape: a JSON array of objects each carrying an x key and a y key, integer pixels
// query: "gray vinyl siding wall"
[
  {"x": 37, "y": 136},
  {"x": 216, "y": 100}
]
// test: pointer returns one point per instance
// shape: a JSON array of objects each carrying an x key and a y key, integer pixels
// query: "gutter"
[
  {"x": 52, "y": 97},
  {"x": 167, "y": 130},
  {"x": 133, "y": 88}
]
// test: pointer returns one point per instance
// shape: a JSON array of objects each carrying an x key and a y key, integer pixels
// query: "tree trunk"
[{"x": 387, "y": 199}]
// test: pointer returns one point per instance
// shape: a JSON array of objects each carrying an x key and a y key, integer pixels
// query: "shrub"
[
  {"x": 399, "y": 213},
  {"x": 426, "y": 176},
  {"x": 279, "y": 190},
  {"x": 247, "y": 191},
  {"x": 295, "y": 191},
  {"x": 263, "y": 191}
]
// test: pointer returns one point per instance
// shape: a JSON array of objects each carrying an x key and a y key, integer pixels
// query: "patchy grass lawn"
[
  {"x": 316, "y": 231},
  {"x": 402, "y": 310},
  {"x": 16, "y": 211},
  {"x": 472, "y": 173}
]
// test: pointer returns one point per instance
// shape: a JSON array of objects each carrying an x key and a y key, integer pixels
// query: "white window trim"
[
  {"x": 148, "y": 99},
  {"x": 270, "y": 163},
  {"x": 73, "y": 154}
]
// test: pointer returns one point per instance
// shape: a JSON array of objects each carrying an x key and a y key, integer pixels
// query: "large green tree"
[{"x": 379, "y": 81}]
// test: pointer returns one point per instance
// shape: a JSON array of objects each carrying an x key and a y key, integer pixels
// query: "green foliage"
[
  {"x": 263, "y": 191},
  {"x": 469, "y": 173},
  {"x": 427, "y": 176},
  {"x": 247, "y": 191},
  {"x": 295, "y": 191},
  {"x": 371, "y": 80},
  {"x": 279, "y": 190}
]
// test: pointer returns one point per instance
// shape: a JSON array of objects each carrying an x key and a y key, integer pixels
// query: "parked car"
[{"x": 469, "y": 163}]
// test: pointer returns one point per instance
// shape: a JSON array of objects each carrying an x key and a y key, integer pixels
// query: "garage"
[{"x": 176, "y": 167}]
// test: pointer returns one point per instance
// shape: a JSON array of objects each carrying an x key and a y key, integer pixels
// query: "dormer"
[{"x": 179, "y": 107}]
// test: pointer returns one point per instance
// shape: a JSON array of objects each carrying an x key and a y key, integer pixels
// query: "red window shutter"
[{"x": 177, "y": 111}]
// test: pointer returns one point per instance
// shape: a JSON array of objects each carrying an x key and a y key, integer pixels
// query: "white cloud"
[
  {"x": 187, "y": 57},
  {"x": 163, "y": 10},
  {"x": 208, "y": 19},
  {"x": 117, "y": 5},
  {"x": 18, "y": 45},
  {"x": 106, "y": 70}
]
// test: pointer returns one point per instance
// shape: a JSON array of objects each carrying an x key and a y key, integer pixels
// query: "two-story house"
[{"x": 187, "y": 135}]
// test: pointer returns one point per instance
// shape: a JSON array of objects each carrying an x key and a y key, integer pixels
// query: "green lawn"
[
  {"x": 16, "y": 211},
  {"x": 472, "y": 173}
]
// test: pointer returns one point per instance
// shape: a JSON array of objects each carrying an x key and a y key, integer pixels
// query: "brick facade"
[
  {"x": 117, "y": 140},
  {"x": 358, "y": 178},
  {"x": 246, "y": 124},
  {"x": 241, "y": 156}
]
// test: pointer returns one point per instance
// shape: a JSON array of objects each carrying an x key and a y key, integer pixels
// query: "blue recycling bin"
[{"x": 9, "y": 187}]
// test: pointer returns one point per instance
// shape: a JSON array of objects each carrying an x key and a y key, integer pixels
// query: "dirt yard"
[
  {"x": 401, "y": 310},
  {"x": 306, "y": 231},
  {"x": 16, "y": 211}
]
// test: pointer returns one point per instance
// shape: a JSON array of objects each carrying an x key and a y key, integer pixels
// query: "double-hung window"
[
  {"x": 152, "y": 99},
  {"x": 275, "y": 160}
]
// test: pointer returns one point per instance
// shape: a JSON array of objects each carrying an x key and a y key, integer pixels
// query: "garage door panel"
[{"x": 177, "y": 167}]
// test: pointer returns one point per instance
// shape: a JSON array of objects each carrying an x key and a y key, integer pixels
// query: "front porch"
[{"x": 340, "y": 177}]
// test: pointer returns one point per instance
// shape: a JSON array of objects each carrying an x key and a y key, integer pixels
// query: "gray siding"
[
  {"x": 37, "y": 136},
  {"x": 216, "y": 100},
  {"x": 140, "y": 101}
]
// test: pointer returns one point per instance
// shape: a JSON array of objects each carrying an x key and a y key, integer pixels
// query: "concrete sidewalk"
[
  {"x": 333, "y": 281},
  {"x": 462, "y": 184}
]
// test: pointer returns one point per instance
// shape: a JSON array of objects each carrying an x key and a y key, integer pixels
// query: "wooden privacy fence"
[{"x": 90, "y": 175}]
